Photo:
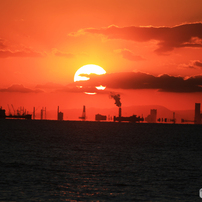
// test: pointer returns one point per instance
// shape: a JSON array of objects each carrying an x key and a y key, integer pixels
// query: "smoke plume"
[{"x": 116, "y": 98}]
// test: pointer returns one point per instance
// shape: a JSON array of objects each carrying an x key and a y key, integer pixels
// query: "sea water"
[{"x": 99, "y": 161}]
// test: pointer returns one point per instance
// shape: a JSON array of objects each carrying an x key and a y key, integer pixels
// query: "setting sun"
[
  {"x": 83, "y": 72},
  {"x": 87, "y": 70}
]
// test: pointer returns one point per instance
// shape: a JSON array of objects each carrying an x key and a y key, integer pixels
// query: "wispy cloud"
[
  {"x": 19, "y": 53},
  {"x": 62, "y": 54},
  {"x": 16, "y": 88},
  {"x": 2, "y": 44},
  {"x": 129, "y": 55}
]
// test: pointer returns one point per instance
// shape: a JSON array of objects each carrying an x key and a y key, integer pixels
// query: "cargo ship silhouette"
[{"x": 24, "y": 115}]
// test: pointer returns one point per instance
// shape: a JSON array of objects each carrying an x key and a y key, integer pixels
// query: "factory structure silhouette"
[{"x": 21, "y": 113}]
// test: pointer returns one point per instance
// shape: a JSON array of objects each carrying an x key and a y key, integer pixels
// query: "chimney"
[
  {"x": 119, "y": 114},
  {"x": 34, "y": 113}
]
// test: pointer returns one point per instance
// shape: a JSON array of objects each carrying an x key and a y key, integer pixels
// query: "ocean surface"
[{"x": 99, "y": 161}]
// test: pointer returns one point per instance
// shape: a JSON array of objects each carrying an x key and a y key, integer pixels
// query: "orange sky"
[{"x": 43, "y": 43}]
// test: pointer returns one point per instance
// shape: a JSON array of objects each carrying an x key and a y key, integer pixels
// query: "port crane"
[
  {"x": 9, "y": 110},
  {"x": 13, "y": 109}
]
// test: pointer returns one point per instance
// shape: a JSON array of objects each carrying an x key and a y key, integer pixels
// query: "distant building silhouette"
[
  {"x": 59, "y": 115},
  {"x": 132, "y": 119},
  {"x": 151, "y": 118},
  {"x": 198, "y": 115},
  {"x": 99, "y": 117}
]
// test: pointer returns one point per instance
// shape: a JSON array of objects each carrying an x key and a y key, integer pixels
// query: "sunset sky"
[{"x": 151, "y": 51}]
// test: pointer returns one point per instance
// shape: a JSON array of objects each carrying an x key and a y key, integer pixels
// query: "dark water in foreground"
[{"x": 88, "y": 161}]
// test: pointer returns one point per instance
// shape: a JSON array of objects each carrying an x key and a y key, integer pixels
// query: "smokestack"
[
  {"x": 119, "y": 114},
  {"x": 33, "y": 112},
  {"x": 58, "y": 113}
]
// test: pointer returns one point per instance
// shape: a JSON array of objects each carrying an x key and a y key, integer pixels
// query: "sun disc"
[
  {"x": 87, "y": 70},
  {"x": 101, "y": 87}
]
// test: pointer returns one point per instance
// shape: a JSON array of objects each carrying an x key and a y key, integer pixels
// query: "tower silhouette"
[
  {"x": 197, "y": 118},
  {"x": 83, "y": 117}
]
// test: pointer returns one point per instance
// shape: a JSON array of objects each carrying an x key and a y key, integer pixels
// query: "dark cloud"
[
  {"x": 24, "y": 53},
  {"x": 186, "y": 35},
  {"x": 129, "y": 55},
  {"x": 177, "y": 84},
  {"x": 195, "y": 80},
  {"x": 131, "y": 80},
  {"x": 19, "y": 89},
  {"x": 198, "y": 63},
  {"x": 76, "y": 88},
  {"x": 62, "y": 54}
]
